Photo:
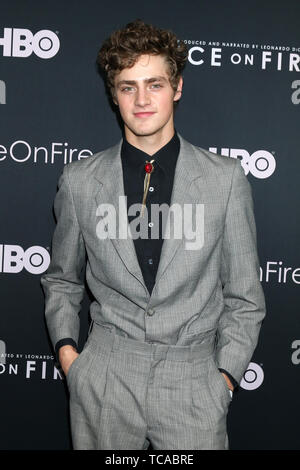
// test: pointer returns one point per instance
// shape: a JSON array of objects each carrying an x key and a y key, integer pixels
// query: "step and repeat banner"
[{"x": 241, "y": 99}]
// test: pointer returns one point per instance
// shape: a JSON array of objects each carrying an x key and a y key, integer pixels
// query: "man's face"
[{"x": 145, "y": 97}]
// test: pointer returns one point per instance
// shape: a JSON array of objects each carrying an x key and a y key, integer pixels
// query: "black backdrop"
[{"x": 241, "y": 98}]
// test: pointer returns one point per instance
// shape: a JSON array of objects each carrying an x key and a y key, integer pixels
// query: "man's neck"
[{"x": 149, "y": 144}]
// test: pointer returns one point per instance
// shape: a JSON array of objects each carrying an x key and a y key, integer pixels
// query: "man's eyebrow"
[{"x": 147, "y": 80}]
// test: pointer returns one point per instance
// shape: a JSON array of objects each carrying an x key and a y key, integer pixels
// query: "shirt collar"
[{"x": 165, "y": 157}]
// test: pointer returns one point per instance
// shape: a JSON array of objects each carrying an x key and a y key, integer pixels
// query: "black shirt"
[{"x": 148, "y": 250}]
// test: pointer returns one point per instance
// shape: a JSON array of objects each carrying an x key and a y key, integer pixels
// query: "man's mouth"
[{"x": 143, "y": 114}]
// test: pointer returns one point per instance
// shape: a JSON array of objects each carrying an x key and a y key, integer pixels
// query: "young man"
[{"x": 174, "y": 325}]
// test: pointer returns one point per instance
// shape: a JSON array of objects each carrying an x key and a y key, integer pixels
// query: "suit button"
[{"x": 150, "y": 312}]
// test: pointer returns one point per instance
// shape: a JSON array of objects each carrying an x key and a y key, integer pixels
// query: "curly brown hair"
[{"x": 123, "y": 48}]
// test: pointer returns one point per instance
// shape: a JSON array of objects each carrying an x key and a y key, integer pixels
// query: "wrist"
[
  {"x": 230, "y": 386},
  {"x": 65, "y": 351}
]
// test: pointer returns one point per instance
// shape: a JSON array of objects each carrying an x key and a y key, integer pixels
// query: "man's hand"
[
  {"x": 67, "y": 354},
  {"x": 230, "y": 386}
]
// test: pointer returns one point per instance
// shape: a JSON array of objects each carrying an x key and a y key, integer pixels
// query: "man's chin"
[{"x": 145, "y": 132}]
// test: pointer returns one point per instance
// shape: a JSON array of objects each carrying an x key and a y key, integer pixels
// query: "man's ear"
[{"x": 178, "y": 92}]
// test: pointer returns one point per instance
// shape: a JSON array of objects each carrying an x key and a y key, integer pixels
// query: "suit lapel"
[
  {"x": 110, "y": 185},
  {"x": 189, "y": 169},
  {"x": 109, "y": 179}
]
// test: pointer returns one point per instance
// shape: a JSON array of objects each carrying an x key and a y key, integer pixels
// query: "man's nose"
[{"x": 142, "y": 97}]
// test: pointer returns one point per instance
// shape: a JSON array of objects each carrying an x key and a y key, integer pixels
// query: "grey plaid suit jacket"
[{"x": 214, "y": 290}]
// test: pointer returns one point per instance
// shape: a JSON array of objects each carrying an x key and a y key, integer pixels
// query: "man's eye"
[
  {"x": 128, "y": 88},
  {"x": 156, "y": 85}
]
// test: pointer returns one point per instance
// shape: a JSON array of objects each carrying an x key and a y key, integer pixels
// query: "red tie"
[{"x": 148, "y": 169}]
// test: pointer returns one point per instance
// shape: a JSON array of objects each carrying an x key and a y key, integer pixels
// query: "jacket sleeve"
[
  {"x": 61, "y": 283},
  {"x": 244, "y": 301}
]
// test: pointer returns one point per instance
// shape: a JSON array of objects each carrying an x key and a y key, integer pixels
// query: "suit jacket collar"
[{"x": 110, "y": 186}]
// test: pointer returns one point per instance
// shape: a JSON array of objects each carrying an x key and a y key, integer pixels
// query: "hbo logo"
[
  {"x": 22, "y": 43},
  {"x": 253, "y": 377},
  {"x": 13, "y": 259},
  {"x": 260, "y": 164}
]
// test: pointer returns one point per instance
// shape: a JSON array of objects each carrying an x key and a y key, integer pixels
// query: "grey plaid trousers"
[{"x": 126, "y": 394}]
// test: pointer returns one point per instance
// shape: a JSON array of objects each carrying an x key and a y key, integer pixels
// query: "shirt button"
[
  {"x": 150, "y": 224},
  {"x": 150, "y": 312},
  {"x": 151, "y": 188},
  {"x": 150, "y": 261}
]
